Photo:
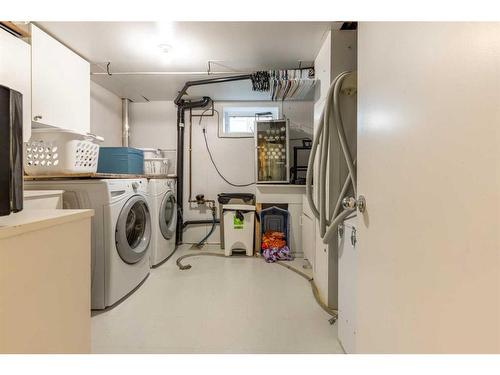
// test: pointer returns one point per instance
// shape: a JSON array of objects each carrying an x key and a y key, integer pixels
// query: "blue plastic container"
[{"x": 120, "y": 160}]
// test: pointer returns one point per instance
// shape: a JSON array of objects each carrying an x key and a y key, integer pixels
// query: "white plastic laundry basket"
[
  {"x": 155, "y": 163},
  {"x": 156, "y": 166},
  {"x": 60, "y": 151}
]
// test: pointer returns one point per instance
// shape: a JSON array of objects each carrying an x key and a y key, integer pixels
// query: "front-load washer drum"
[
  {"x": 168, "y": 210},
  {"x": 133, "y": 230}
]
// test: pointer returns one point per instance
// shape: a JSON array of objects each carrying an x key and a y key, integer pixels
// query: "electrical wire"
[{"x": 217, "y": 169}]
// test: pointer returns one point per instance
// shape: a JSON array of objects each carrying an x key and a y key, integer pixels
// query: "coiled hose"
[
  {"x": 332, "y": 312},
  {"x": 331, "y": 116}
]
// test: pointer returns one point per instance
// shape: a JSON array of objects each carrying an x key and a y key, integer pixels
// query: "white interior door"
[{"x": 428, "y": 165}]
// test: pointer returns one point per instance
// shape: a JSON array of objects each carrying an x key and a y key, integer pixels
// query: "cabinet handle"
[{"x": 37, "y": 118}]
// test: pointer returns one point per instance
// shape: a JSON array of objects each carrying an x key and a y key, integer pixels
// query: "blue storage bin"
[{"x": 120, "y": 160}]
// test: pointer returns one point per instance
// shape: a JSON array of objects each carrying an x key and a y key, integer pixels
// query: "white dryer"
[
  {"x": 121, "y": 232},
  {"x": 162, "y": 199}
]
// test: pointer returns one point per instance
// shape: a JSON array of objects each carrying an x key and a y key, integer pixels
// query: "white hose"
[
  {"x": 329, "y": 118},
  {"x": 325, "y": 116}
]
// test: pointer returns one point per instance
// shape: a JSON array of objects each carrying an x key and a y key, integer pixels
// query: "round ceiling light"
[{"x": 164, "y": 47}]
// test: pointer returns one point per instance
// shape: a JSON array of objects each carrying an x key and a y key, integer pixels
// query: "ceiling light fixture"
[
  {"x": 164, "y": 47},
  {"x": 166, "y": 52}
]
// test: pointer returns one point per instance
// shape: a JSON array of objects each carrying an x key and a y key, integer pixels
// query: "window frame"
[{"x": 243, "y": 111}]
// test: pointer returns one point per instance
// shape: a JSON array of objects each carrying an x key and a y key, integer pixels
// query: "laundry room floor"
[{"x": 220, "y": 305}]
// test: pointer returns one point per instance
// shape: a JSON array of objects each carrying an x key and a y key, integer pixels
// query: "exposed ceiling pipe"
[
  {"x": 163, "y": 73},
  {"x": 125, "y": 122},
  {"x": 207, "y": 73}
]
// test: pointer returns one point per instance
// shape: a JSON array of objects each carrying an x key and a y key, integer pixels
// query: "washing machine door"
[
  {"x": 168, "y": 210},
  {"x": 133, "y": 230}
]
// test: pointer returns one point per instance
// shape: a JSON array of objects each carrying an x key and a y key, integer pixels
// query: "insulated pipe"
[{"x": 125, "y": 122}]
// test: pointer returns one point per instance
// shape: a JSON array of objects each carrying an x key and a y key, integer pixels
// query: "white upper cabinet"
[
  {"x": 15, "y": 73},
  {"x": 60, "y": 84}
]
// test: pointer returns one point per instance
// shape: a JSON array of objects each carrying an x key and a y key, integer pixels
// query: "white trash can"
[{"x": 239, "y": 222}]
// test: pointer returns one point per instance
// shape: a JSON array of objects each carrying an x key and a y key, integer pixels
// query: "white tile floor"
[{"x": 218, "y": 306}]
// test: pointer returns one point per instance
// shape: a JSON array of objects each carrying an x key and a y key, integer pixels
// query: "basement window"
[{"x": 239, "y": 122}]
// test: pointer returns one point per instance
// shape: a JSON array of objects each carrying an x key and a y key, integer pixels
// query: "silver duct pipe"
[{"x": 125, "y": 122}]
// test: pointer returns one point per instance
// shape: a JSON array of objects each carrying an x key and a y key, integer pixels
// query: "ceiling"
[{"x": 230, "y": 46}]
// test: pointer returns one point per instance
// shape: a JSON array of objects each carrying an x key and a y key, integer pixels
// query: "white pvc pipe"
[{"x": 125, "y": 122}]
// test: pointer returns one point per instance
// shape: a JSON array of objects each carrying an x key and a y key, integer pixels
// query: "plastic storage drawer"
[{"x": 120, "y": 160}]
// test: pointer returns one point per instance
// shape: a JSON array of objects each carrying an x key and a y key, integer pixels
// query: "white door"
[
  {"x": 428, "y": 165},
  {"x": 60, "y": 84}
]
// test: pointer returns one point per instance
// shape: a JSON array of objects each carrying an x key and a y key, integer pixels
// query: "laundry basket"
[
  {"x": 156, "y": 166},
  {"x": 154, "y": 162},
  {"x": 60, "y": 151}
]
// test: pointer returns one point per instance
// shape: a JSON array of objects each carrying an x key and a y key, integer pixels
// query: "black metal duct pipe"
[{"x": 182, "y": 105}]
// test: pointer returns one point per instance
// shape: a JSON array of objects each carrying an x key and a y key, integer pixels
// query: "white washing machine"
[
  {"x": 162, "y": 198},
  {"x": 121, "y": 232}
]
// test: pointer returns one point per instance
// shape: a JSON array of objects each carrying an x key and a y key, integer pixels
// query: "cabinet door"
[
  {"x": 308, "y": 245},
  {"x": 60, "y": 84},
  {"x": 15, "y": 73}
]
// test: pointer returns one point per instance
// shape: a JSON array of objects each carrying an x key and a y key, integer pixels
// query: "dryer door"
[
  {"x": 133, "y": 230},
  {"x": 168, "y": 210}
]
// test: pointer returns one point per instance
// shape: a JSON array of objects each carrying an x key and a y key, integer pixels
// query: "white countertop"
[
  {"x": 280, "y": 186},
  {"x": 41, "y": 193},
  {"x": 36, "y": 219}
]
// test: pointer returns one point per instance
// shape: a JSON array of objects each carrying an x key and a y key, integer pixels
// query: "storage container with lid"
[{"x": 121, "y": 160}]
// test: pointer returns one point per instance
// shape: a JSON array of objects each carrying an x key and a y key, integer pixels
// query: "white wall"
[
  {"x": 153, "y": 124},
  {"x": 105, "y": 115}
]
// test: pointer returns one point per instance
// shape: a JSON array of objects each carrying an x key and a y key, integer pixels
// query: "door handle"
[
  {"x": 37, "y": 118},
  {"x": 351, "y": 203}
]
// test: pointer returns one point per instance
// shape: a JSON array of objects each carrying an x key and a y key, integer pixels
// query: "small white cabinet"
[
  {"x": 45, "y": 277},
  {"x": 15, "y": 73},
  {"x": 308, "y": 223},
  {"x": 60, "y": 84}
]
